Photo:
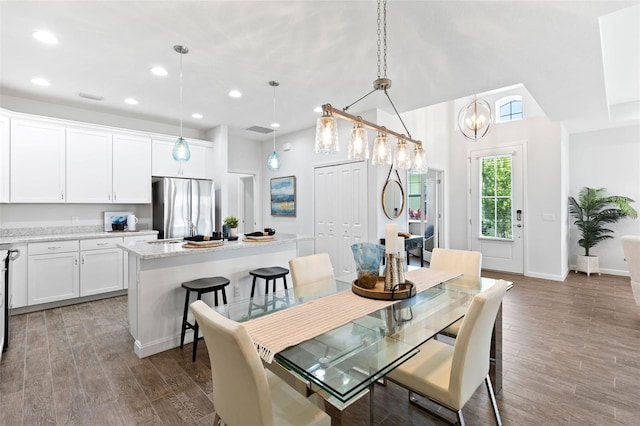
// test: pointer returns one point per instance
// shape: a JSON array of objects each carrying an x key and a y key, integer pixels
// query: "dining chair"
[
  {"x": 311, "y": 269},
  {"x": 449, "y": 375},
  {"x": 631, "y": 248},
  {"x": 465, "y": 261},
  {"x": 244, "y": 392}
]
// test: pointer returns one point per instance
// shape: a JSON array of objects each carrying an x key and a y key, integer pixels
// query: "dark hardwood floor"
[{"x": 571, "y": 356}]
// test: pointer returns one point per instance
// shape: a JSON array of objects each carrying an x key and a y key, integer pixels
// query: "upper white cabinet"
[
  {"x": 88, "y": 154},
  {"x": 37, "y": 162},
  {"x": 4, "y": 159},
  {"x": 165, "y": 165},
  {"x": 131, "y": 169}
]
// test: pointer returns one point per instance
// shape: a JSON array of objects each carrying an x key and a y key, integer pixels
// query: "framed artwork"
[{"x": 283, "y": 196}]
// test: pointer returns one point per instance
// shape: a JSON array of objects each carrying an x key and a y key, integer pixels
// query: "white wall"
[{"x": 607, "y": 159}]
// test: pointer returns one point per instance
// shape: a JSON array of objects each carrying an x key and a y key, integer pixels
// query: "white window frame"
[{"x": 502, "y": 101}]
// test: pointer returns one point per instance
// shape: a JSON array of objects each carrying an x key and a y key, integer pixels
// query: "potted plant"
[
  {"x": 232, "y": 223},
  {"x": 592, "y": 212}
]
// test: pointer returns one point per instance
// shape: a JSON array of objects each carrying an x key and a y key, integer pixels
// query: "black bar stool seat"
[
  {"x": 270, "y": 273},
  {"x": 201, "y": 286}
]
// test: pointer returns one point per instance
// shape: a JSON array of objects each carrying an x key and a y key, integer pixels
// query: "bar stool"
[
  {"x": 271, "y": 273},
  {"x": 201, "y": 286}
]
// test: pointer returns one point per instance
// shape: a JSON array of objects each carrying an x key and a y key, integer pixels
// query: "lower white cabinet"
[
  {"x": 54, "y": 272},
  {"x": 100, "y": 266},
  {"x": 131, "y": 241}
]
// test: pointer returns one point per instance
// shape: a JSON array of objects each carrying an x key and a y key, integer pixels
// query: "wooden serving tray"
[
  {"x": 405, "y": 291},
  {"x": 260, "y": 240},
  {"x": 202, "y": 244}
]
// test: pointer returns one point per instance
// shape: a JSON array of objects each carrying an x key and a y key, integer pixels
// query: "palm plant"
[{"x": 593, "y": 210}]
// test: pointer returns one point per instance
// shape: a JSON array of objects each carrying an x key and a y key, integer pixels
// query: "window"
[
  {"x": 509, "y": 109},
  {"x": 496, "y": 197}
]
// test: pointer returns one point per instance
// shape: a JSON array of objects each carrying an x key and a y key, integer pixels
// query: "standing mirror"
[{"x": 393, "y": 197}]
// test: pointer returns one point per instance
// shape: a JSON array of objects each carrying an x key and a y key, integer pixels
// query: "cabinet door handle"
[
  {"x": 76, "y": 260},
  {"x": 109, "y": 196},
  {"x": 101, "y": 244},
  {"x": 83, "y": 260},
  {"x": 114, "y": 196},
  {"x": 62, "y": 195},
  {"x": 54, "y": 247}
]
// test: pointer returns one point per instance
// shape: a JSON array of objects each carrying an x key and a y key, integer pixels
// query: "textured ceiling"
[{"x": 319, "y": 51}]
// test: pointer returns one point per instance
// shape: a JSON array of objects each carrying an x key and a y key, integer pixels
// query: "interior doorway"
[
  {"x": 426, "y": 208},
  {"x": 243, "y": 201}
]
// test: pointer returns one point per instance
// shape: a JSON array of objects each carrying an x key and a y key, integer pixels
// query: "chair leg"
[
  {"x": 285, "y": 282},
  {"x": 195, "y": 340},
  {"x": 224, "y": 296},
  {"x": 184, "y": 319},
  {"x": 253, "y": 287},
  {"x": 487, "y": 382}
]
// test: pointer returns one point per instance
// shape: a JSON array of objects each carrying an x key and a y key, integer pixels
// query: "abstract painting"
[{"x": 283, "y": 196}]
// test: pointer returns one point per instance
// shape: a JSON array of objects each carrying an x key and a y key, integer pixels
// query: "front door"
[{"x": 497, "y": 214}]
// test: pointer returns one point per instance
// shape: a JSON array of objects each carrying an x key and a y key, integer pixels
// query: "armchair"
[{"x": 631, "y": 248}]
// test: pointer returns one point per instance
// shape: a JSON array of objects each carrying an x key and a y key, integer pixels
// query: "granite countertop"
[
  {"x": 173, "y": 247},
  {"x": 22, "y": 239}
]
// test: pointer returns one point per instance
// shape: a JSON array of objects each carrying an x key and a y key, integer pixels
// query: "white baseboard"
[
  {"x": 161, "y": 345},
  {"x": 549, "y": 277},
  {"x": 606, "y": 271}
]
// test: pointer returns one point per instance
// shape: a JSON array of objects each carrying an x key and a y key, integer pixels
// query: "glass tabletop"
[{"x": 347, "y": 359}]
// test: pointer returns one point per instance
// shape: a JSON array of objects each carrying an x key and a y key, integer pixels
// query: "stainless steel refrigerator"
[{"x": 183, "y": 207}]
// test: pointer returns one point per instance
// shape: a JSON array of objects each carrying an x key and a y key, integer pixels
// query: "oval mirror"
[{"x": 392, "y": 199}]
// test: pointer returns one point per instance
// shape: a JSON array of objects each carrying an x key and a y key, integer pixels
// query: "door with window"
[{"x": 496, "y": 200}]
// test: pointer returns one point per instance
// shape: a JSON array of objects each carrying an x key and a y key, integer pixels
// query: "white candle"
[
  {"x": 391, "y": 238},
  {"x": 400, "y": 246}
]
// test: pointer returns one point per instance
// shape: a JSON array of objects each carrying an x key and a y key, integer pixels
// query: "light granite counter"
[
  {"x": 157, "y": 270},
  {"x": 39, "y": 238}
]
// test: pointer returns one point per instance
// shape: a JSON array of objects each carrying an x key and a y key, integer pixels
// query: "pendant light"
[
  {"x": 326, "y": 127},
  {"x": 273, "y": 161},
  {"x": 475, "y": 119},
  {"x": 181, "y": 152},
  {"x": 419, "y": 161}
]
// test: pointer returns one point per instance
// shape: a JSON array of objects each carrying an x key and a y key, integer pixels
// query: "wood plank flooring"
[{"x": 571, "y": 357}]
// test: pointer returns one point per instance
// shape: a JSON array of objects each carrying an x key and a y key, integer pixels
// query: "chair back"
[
  {"x": 465, "y": 261},
  {"x": 311, "y": 269},
  {"x": 240, "y": 388},
  {"x": 631, "y": 248},
  {"x": 471, "y": 352}
]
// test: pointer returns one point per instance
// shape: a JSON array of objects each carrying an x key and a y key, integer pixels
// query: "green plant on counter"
[{"x": 231, "y": 221}]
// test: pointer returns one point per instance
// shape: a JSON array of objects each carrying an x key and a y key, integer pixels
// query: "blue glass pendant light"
[
  {"x": 181, "y": 150},
  {"x": 273, "y": 161}
]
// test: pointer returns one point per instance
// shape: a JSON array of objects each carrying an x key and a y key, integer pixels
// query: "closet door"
[{"x": 340, "y": 212}]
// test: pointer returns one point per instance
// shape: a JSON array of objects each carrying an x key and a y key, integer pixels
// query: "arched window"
[{"x": 509, "y": 109}]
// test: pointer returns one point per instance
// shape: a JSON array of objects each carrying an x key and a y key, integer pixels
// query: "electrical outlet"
[{"x": 75, "y": 220}]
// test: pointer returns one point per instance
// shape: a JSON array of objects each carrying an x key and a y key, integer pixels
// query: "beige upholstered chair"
[
  {"x": 631, "y": 248},
  {"x": 465, "y": 261},
  {"x": 449, "y": 375},
  {"x": 311, "y": 269},
  {"x": 244, "y": 392}
]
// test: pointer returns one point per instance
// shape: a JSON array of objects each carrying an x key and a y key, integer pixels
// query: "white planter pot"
[
  {"x": 233, "y": 232},
  {"x": 588, "y": 264}
]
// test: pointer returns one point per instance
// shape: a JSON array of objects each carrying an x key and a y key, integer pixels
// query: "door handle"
[
  {"x": 517, "y": 226},
  {"x": 518, "y": 215}
]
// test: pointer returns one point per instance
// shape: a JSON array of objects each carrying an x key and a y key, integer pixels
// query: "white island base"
[{"x": 156, "y": 271}]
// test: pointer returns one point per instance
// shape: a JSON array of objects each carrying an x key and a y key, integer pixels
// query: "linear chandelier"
[{"x": 327, "y": 129}]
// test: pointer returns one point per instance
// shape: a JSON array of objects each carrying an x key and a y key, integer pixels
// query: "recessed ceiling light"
[
  {"x": 317, "y": 109},
  {"x": 274, "y": 125},
  {"x": 45, "y": 37},
  {"x": 131, "y": 101},
  {"x": 159, "y": 71},
  {"x": 235, "y": 94},
  {"x": 196, "y": 115},
  {"x": 40, "y": 81}
]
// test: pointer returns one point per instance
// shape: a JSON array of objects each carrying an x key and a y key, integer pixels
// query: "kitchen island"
[{"x": 157, "y": 269}]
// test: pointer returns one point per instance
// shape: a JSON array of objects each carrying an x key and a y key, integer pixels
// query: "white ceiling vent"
[
  {"x": 260, "y": 129},
  {"x": 90, "y": 96}
]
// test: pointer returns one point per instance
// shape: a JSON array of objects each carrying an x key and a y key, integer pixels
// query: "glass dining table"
[{"x": 345, "y": 362}]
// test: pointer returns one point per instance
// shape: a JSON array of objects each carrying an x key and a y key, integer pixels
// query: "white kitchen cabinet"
[
  {"x": 132, "y": 240},
  {"x": 100, "y": 266},
  {"x": 37, "y": 162},
  {"x": 18, "y": 278},
  {"x": 163, "y": 163},
  {"x": 4, "y": 159},
  {"x": 54, "y": 271},
  {"x": 131, "y": 169},
  {"x": 88, "y": 166}
]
